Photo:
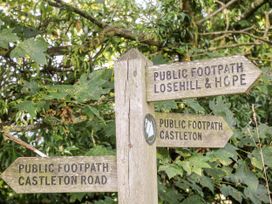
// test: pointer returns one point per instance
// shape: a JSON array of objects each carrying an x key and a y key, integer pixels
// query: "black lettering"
[
  {"x": 104, "y": 179},
  {"x": 234, "y": 79},
  {"x": 162, "y": 88},
  {"x": 34, "y": 180},
  {"x": 105, "y": 167},
  {"x": 66, "y": 180},
  {"x": 168, "y": 75},
  {"x": 240, "y": 67},
  {"x": 184, "y": 73},
  {"x": 156, "y": 74},
  {"x": 21, "y": 167},
  {"x": 218, "y": 82},
  {"x": 27, "y": 181},
  {"x": 243, "y": 79},
  {"x": 66, "y": 168},
  {"x": 21, "y": 181},
  {"x": 74, "y": 167},
  {"x": 51, "y": 168},
  {"x": 83, "y": 180},
  {"x": 53, "y": 180},
  {"x": 169, "y": 87},
  {"x": 90, "y": 180},
  {"x": 97, "y": 180},
  {"x": 161, "y": 135}
]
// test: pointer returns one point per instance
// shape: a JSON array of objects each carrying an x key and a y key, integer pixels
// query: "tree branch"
[
  {"x": 7, "y": 135},
  {"x": 111, "y": 30},
  {"x": 216, "y": 12},
  {"x": 253, "y": 8},
  {"x": 61, "y": 4},
  {"x": 211, "y": 49},
  {"x": 238, "y": 32}
]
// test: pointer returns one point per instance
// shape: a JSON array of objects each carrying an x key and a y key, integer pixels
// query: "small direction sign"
[
  {"x": 62, "y": 174},
  {"x": 150, "y": 129},
  {"x": 219, "y": 76},
  {"x": 178, "y": 130}
]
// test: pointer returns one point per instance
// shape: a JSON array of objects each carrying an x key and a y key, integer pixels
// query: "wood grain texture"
[
  {"x": 136, "y": 160},
  {"x": 218, "y": 76},
  {"x": 62, "y": 174},
  {"x": 180, "y": 130}
]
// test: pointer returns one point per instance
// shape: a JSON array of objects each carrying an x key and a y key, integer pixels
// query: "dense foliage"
[{"x": 56, "y": 89}]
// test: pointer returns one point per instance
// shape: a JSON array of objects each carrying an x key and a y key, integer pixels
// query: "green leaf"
[
  {"x": 58, "y": 92},
  {"x": 91, "y": 87},
  {"x": 165, "y": 106},
  {"x": 107, "y": 200},
  {"x": 91, "y": 110},
  {"x": 207, "y": 182},
  {"x": 194, "y": 164},
  {"x": 159, "y": 59},
  {"x": 76, "y": 197},
  {"x": 257, "y": 196},
  {"x": 29, "y": 107},
  {"x": 100, "y": 150},
  {"x": 194, "y": 199},
  {"x": 227, "y": 190},
  {"x": 6, "y": 37},
  {"x": 256, "y": 159},
  {"x": 31, "y": 87},
  {"x": 245, "y": 176},
  {"x": 265, "y": 131},
  {"x": 169, "y": 195},
  {"x": 171, "y": 170},
  {"x": 222, "y": 108},
  {"x": 192, "y": 103},
  {"x": 69, "y": 149},
  {"x": 225, "y": 156},
  {"x": 35, "y": 48}
]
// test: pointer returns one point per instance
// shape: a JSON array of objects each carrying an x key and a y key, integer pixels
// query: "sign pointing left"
[{"x": 62, "y": 174}]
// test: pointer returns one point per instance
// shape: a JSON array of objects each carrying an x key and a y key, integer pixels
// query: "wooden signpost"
[
  {"x": 178, "y": 130},
  {"x": 62, "y": 174},
  {"x": 139, "y": 130},
  {"x": 136, "y": 158},
  {"x": 219, "y": 76}
]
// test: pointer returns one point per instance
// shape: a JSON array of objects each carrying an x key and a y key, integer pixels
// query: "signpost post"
[
  {"x": 178, "y": 130},
  {"x": 62, "y": 174},
  {"x": 219, "y": 76},
  {"x": 136, "y": 151}
]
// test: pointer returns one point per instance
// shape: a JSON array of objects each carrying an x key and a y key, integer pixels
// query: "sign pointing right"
[
  {"x": 219, "y": 76},
  {"x": 178, "y": 130}
]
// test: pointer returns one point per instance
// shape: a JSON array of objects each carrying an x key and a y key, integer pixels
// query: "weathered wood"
[
  {"x": 136, "y": 159},
  {"x": 178, "y": 130},
  {"x": 219, "y": 76},
  {"x": 62, "y": 174}
]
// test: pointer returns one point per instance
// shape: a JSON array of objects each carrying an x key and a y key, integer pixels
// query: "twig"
[
  {"x": 261, "y": 152},
  {"x": 238, "y": 32},
  {"x": 267, "y": 23},
  {"x": 225, "y": 47},
  {"x": 254, "y": 7},
  {"x": 92, "y": 136},
  {"x": 8, "y": 136},
  {"x": 217, "y": 11}
]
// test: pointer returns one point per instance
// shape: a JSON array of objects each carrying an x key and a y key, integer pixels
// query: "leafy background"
[{"x": 56, "y": 89}]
